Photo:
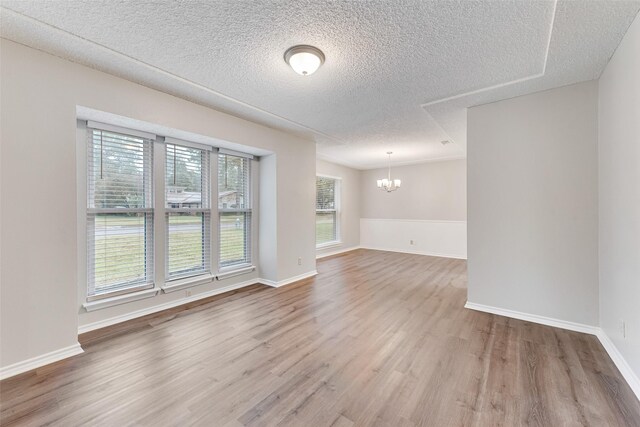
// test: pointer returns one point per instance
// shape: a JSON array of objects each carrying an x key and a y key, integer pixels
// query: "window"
[
  {"x": 234, "y": 208},
  {"x": 124, "y": 183},
  {"x": 188, "y": 211},
  {"x": 119, "y": 213},
  {"x": 327, "y": 210}
]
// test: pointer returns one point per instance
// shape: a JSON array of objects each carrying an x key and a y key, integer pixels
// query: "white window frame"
[
  {"x": 92, "y": 212},
  {"x": 158, "y": 248},
  {"x": 338, "y": 210},
  {"x": 247, "y": 264},
  {"x": 206, "y": 211}
]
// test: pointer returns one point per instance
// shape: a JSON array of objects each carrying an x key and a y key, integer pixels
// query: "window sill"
[
  {"x": 235, "y": 271},
  {"x": 178, "y": 284},
  {"x": 329, "y": 245},
  {"x": 121, "y": 299}
]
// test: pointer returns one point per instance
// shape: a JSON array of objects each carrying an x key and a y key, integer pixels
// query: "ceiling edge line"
[
  {"x": 553, "y": 22},
  {"x": 420, "y": 162},
  {"x": 484, "y": 89},
  {"x": 176, "y": 77},
  {"x": 433, "y": 119},
  {"x": 520, "y": 80},
  {"x": 331, "y": 159}
]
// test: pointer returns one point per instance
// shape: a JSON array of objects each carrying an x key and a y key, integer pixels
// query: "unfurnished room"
[{"x": 228, "y": 213}]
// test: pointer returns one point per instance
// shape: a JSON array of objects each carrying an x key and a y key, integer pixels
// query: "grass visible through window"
[
  {"x": 325, "y": 228},
  {"x": 119, "y": 246}
]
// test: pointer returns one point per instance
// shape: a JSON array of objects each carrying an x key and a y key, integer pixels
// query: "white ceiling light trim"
[
  {"x": 512, "y": 82},
  {"x": 304, "y": 59}
]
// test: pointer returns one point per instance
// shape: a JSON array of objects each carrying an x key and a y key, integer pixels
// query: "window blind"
[
  {"x": 234, "y": 207},
  {"x": 119, "y": 213},
  {"x": 188, "y": 211},
  {"x": 326, "y": 210}
]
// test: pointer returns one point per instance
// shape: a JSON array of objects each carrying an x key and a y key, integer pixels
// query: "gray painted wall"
[
  {"x": 619, "y": 196},
  {"x": 39, "y": 308},
  {"x": 350, "y": 204},
  {"x": 268, "y": 218},
  {"x": 533, "y": 223},
  {"x": 430, "y": 191}
]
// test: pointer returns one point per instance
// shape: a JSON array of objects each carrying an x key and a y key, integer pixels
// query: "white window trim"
[
  {"x": 175, "y": 141},
  {"x": 210, "y": 152},
  {"x": 120, "y": 299},
  {"x": 160, "y": 283},
  {"x": 84, "y": 129},
  {"x": 224, "y": 271},
  {"x": 235, "y": 153},
  {"x": 241, "y": 269},
  {"x": 184, "y": 283},
  {"x": 235, "y": 270},
  {"x": 338, "y": 211},
  {"x": 120, "y": 129}
]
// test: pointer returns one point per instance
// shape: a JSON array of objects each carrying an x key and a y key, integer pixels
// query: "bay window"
[{"x": 123, "y": 179}]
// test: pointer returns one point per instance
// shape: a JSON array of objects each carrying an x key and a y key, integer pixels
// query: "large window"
[
  {"x": 234, "y": 208},
  {"x": 327, "y": 210},
  {"x": 139, "y": 184},
  {"x": 119, "y": 213},
  {"x": 188, "y": 211}
]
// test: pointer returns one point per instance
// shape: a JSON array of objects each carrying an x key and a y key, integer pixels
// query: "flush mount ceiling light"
[
  {"x": 387, "y": 184},
  {"x": 305, "y": 60}
]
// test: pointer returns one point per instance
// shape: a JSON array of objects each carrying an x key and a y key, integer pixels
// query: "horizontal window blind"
[
  {"x": 188, "y": 218},
  {"x": 325, "y": 193},
  {"x": 119, "y": 213},
  {"x": 119, "y": 168},
  {"x": 234, "y": 207},
  {"x": 326, "y": 210},
  {"x": 233, "y": 182}
]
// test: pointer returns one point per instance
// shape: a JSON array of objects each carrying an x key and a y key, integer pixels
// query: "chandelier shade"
[{"x": 387, "y": 184}]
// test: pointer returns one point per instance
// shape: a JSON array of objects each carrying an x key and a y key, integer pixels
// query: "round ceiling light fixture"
[{"x": 305, "y": 60}]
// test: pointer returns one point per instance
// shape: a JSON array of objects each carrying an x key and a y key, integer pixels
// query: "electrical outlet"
[
  {"x": 187, "y": 293},
  {"x": 299, "y": 261},
  {"x": 411, "y": 242}
]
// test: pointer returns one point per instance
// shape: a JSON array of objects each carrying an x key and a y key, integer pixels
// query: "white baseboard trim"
[
  {"x": 620, "y": 362},
  {"x": 627, "y": 373},
  {"x": 284, "y": 282},
  {"x": 534, "y": 318},
  {"x": 402, "y": 251},
  {"x": 54, "y": 356},
  {"x": 39, "y": 361},
  {"x": 156, "y": 308},
  {"x": 336, "y": 252}
]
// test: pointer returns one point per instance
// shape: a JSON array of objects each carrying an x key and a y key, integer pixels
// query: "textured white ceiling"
[{"x": 398, "y": 74}]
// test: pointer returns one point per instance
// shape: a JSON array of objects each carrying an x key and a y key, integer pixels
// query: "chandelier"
[{"x": 387, "y": 184}]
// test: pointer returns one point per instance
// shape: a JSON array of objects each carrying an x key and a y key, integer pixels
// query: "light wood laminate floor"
[{"x": 377, "y": 338}]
